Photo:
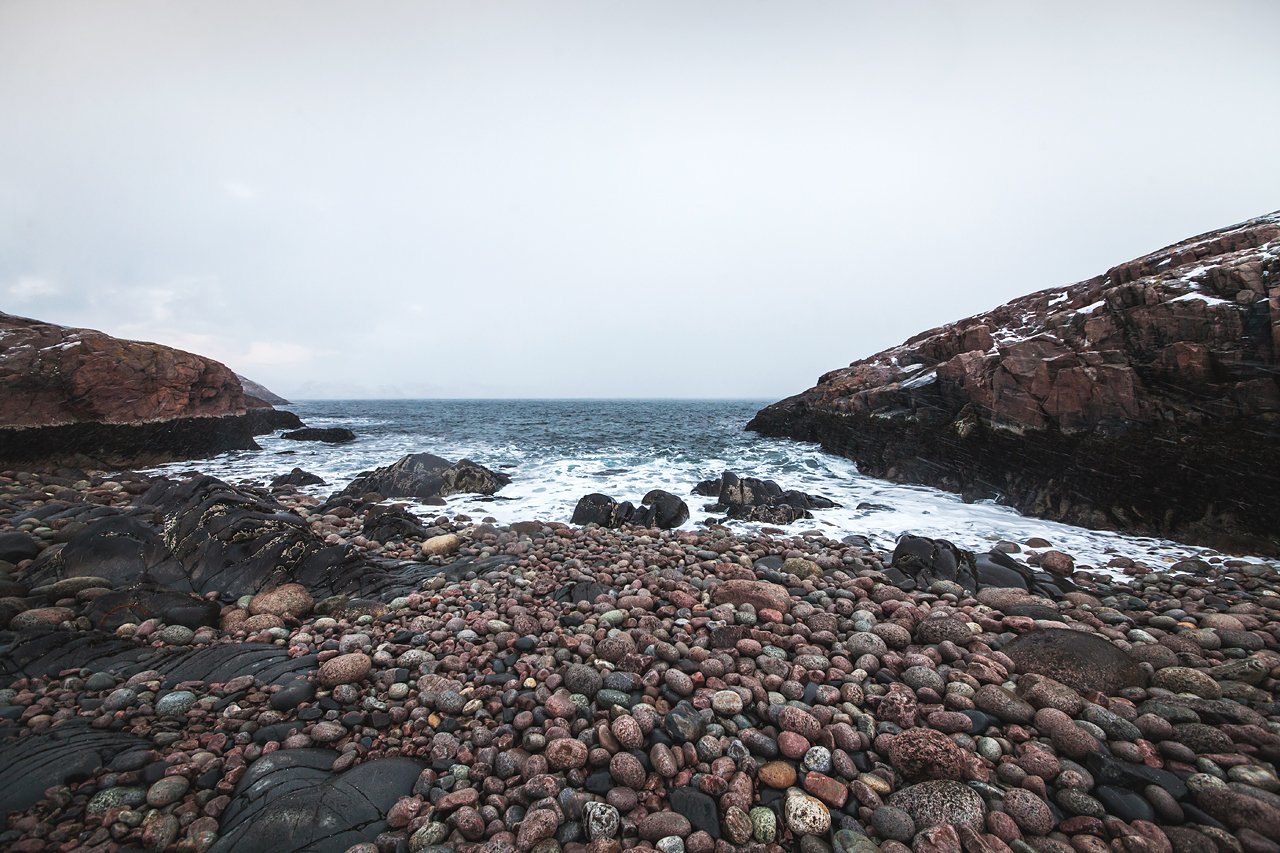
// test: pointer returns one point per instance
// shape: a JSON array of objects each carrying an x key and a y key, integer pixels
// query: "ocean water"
[{"x": 556, "y": 451}]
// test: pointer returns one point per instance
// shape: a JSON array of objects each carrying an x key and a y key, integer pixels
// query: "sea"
[{"x": 557, "y": 451}]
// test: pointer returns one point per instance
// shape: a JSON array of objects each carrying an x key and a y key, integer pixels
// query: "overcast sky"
[{"x": 602, "y": 199}]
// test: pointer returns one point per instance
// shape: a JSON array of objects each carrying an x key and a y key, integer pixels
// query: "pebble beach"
[{"x": 554, "y": 688}]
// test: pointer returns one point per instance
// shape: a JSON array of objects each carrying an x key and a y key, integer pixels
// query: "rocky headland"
[
  {"x": 80, "y": 397},
  {"x": 1143, "y": 400},
  {"x": 187, "y": 665}
]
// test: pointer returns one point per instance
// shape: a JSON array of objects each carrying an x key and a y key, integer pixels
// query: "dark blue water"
[{"x": 556, "y": 451}]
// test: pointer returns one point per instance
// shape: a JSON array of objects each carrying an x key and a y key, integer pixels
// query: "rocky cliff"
[
  {"x": 1145, "y": 399},
  {"x": 77, "y": 395}
]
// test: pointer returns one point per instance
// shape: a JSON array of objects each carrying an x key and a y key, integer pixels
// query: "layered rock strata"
[
  {"x": 1145, "y": 399},
  {"x": 78, "y": 396}
]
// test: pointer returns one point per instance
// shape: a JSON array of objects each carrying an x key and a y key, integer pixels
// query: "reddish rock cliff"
[
  {"x": 81, "y": 395},
  {"x": 53, "y": 375},
  {"x": 1144, "y": 399}
]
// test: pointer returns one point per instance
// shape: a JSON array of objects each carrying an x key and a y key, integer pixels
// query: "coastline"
[{"x": 592, "y": 689}]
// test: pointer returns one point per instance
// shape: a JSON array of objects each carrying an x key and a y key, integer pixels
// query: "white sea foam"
[{"x": 550, "y": 474}]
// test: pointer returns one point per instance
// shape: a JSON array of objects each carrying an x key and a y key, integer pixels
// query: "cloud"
[
  {"x": 240, "y": 355},
  {"x": 261, "y": 353},
  {"x": 30, "y": 287},
  {"x": 239, "y": 190}
]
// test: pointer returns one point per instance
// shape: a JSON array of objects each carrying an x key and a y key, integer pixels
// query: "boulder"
[
  {"x": 1104, "y": 403},
  {"x": 918, "y": 562},
  {"x": 1084, "y": 662},
  {"x": 332, "y": 435},
  {"x": 297, "y": 477},
  {"x": 16, "y": 546},
  {"x": 752, "y": 499},
  {"x": 759, "y": 594},
  {"x": 657, "y": 509},
  {"x": 424, "y": 475}
]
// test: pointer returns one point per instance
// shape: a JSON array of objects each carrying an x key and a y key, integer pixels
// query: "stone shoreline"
[{"x": 541, "y": 687}]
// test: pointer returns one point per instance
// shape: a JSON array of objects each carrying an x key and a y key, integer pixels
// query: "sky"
[{"x": 604, "y": 199}]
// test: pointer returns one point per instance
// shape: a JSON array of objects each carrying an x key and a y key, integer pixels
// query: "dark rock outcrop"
[
  {"x": 204, "y": 536},
  {"x": 1145, "y": 399},
  {"x": 263, "y": 420},
  {"x": 657, "y": 509},
  {"x": 424, "y": 475},
  {"x": 919, "y": 561},
  {"x": 70, "y": 753},
  {"x": 297, "y": 477},
  {"x": 79, "y": 396},
  {"x": 752, "y": 499},
  {"x": 332, "y": 435},
  {"x": 290, "y": 801}
]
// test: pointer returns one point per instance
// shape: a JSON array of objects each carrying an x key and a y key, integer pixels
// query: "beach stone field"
[{"x": 192, "y": 665}]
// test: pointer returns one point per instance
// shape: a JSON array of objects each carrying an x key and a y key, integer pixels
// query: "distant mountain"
[
  {"x": 1145, "y": 399},
  {"x": 253, "y": 389}
]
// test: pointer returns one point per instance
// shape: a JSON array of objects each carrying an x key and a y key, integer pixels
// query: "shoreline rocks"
[
  {"x": 1113, "y": 403},
  {"x": 541, "y": 687}
]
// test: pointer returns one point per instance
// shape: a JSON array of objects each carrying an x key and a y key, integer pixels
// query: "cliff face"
[
  {"x": 82, "y": 396},
  {"x": 1145, "y": 399}
]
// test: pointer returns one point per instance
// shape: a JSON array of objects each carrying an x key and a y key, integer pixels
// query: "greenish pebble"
[
  {"x": 110, "y": 798},
  {"x": 614, "y": 618},
  {"x": 848, "y": 841},
  {"x": 613, "y": 697},
  {"x": 428, "y": 836},
  {"x": 243, "y": 601},
  {"x": 399, "y": 603},
  {"x": 176, "y": 635},
  {"x": 989, "y": 748},
  {"x": 1255, "y": 776},
  {"x": 764, "y": 824},
  {"x": 176, "y": 703}
]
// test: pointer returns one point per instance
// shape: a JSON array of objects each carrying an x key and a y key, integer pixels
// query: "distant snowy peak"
[{"x": 254, "y": 389}]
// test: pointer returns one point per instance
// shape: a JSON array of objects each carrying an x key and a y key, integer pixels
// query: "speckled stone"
[
  {"x": 894, "y": 823},
  {"x": 176, "y": 635},
  {"x": 175, "y": 704},
  {"x": 168, "y": 790},
  {"x": 1029, "y": 812},
  {"x": 806, "y": 815},
  {"x": 662, "y": 824},
  {"x": 600, "y": 820},
  {"x": 764, "y": 824},
  {"x": 726, "y": 703},
  {"x": 941, "y": 802},
  {"x": 345, "y": 669},
  {"x": 1184, "y": 679},
  {"x": 627, "y": 771}
]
